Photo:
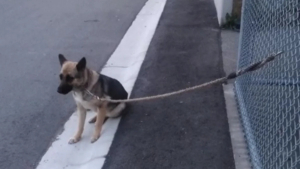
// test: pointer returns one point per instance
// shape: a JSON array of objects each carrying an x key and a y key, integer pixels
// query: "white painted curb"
[{"x": 124, "y": 65}]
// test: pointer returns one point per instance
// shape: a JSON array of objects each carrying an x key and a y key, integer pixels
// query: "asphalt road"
[
  {"x": 189, "y": 131},
  {"x": 186, "y": 131},
  {"x": 32, "y": 33}
]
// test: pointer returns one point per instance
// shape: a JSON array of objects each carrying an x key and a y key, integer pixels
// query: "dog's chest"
[{"x": 87, "y": 103}]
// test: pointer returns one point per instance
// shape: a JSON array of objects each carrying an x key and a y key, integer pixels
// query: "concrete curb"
[{"x": 239, "y": 146}]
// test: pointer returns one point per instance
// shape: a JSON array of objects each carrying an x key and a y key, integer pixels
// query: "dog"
[{"x": 75, "y": 77}]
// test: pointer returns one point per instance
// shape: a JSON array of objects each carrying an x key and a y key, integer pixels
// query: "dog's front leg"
[
  {"x": 82, "y": 115},
  {"x": 101, "y": 113}
]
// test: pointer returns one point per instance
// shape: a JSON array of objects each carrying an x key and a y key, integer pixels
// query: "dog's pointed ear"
[
  {"x": 62, "y": 59},
  {"x": 81, "y": 64}
]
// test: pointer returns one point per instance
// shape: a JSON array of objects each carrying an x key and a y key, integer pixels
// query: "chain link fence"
[{"x": 269, "y": 99}]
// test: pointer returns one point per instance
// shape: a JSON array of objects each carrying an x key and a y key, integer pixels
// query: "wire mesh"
[{"x": 268, "y": 99}]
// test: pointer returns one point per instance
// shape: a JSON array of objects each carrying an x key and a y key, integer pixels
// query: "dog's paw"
[
  {"x": 73, "y": 140},
  {"x": 95, "y": 138}
]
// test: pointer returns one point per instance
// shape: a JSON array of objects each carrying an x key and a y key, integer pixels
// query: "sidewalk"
[{"x": 188, "y": 131}]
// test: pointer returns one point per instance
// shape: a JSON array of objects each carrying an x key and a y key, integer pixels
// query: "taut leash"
[{"x": 232, "y": 75}]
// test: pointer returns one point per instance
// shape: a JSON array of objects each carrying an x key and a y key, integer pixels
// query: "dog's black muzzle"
[{"x": 64, "y": 88}]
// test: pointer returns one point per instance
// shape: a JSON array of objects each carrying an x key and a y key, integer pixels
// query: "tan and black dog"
[{"x": 76, "y": 77}]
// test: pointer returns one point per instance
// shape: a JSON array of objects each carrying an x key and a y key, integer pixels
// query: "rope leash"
[{"x": 232, "y": 75}]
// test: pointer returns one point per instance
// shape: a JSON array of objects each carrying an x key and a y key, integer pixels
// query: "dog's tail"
[
  {"x": 116, "y": 111},
  {"x": 93, "y": 120}
]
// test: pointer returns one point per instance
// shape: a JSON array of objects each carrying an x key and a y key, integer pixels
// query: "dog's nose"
[
  {"x": 59, "y": 90},
  {"x": 64, "y": 89}
]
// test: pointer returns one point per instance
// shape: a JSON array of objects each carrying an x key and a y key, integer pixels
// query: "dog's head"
[{"x": 71, "y": 74}]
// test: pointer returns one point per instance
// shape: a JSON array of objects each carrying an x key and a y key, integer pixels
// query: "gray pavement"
[
  {"x": 32, "y": 33},
  {"x": 230, "y": 45},
  {"x": 186, "y": 131},
  {"x": 189, "y": 131}
]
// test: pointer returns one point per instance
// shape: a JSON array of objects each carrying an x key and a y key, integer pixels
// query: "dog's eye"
[
  {"x": 61, "y": 76},
  {"x": 69, "y": 78}
]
